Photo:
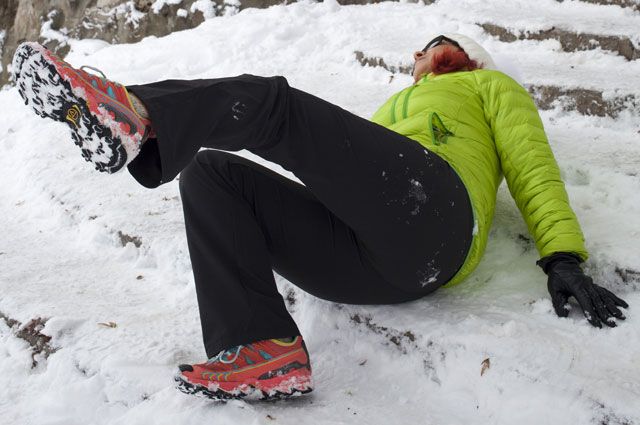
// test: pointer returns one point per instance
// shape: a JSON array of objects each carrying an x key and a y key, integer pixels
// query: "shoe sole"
[
  {"x": 50, "y": 95},
  {"x": 282, "y": 387}
]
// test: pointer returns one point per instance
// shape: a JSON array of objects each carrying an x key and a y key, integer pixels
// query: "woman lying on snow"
[{"x": 391, "y": 210}]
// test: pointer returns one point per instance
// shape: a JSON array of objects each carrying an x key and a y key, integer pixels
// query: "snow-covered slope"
[{"x": 64, "y": 226}]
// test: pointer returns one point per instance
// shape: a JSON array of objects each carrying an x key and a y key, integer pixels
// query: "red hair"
[{"x": 451, "y": 60}]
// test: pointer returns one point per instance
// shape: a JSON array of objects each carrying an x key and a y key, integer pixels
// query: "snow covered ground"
[{"x": 62, "y": 256}]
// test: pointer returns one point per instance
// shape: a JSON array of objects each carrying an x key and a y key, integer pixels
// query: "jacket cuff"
[{"x": 547, "y": 262}]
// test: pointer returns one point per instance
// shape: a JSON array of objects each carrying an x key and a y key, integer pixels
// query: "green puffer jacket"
[{"x": 485, "y": 125}]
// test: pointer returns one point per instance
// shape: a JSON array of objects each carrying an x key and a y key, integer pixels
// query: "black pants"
[{"x": 379, "y": 220}]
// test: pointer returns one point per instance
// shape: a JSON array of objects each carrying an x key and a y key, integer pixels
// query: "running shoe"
[
  {"x": 103, "y": 121},
  {"x": 267, "y": 369}
]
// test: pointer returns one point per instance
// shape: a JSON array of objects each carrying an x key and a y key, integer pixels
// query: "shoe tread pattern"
[
  {"x": 50, "y": 96},
  {"x": 221, "y": 395}
]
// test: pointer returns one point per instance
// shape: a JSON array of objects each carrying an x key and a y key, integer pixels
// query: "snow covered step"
[
  {"x": 378, "y": 61},
  {"x": 584, "y": 101},
  {"x": 520, "y": 15},
  {"x": 631, "y": 4},
  {"x": 570, "y": 41}
]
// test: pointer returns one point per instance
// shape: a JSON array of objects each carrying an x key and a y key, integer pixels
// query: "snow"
[
  {"x": 419, "y": 362},
  {"x": 133, "y": 15},
  {"x": 158, "y": 4},
  {"x": 3, "y": 34},
  {"x": 207, "y": 7},
  {"x": 47, "y": 33}
]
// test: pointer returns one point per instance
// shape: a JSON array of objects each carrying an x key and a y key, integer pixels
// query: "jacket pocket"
[{"x": 438, "y": 132}]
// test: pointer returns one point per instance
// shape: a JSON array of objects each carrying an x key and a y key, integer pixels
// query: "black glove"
[{"x": 566, "y": 279}]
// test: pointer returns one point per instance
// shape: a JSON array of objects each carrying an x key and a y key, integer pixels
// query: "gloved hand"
[{"x": 566, "y": 279}]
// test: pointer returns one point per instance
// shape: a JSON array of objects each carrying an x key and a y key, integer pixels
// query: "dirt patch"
[
  {"x": 606, "y": 415},
  {"x": 31, "y": 333},
  {"x": 406, "y": 341},
  {"x": 628, "y": 275},
  {"x": 290, "y": 300},
  {"x": 125, "y": 239},
  {"x": 525, "y": 242},
  {"x": 398, "y": 338},
  {"x": 569, "y": 41}
]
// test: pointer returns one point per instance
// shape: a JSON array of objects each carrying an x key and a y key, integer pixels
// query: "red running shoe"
[
  {"x": 102, "y": 118},
  {"x": 265, "y": 369}
]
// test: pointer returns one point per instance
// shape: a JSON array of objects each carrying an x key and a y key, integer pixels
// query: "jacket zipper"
[
  {"x": 405, "y": 107},
  {"x": 393, "y": 108}
]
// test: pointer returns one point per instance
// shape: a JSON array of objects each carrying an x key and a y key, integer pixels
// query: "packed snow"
[{"x": 62, "y": 255}]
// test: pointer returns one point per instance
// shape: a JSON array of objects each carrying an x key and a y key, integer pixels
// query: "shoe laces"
[
  {"x": 220, "y": 357},
  {"x": 93, "y": 69}
]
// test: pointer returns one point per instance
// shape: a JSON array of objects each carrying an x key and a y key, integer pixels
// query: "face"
[{"x": 423, "y": 60}]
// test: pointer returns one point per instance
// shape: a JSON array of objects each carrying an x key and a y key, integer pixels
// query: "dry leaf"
[
  {"x": 108, "y": 325},
  {"x": 271, "y": 417},
  {"x": 486, "y": 364},
  {"x": 362, "y": 363}
]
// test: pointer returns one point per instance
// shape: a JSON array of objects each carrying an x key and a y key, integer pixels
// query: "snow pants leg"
[{"x": 379, "y": 219}]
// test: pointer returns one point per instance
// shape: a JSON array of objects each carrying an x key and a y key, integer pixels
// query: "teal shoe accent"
[
  {"x": 110, "y": 92},
  {"x": 94, "y": 83},
  {"x": 265, "y": 356},
  {"x": 248, "y": 360}
]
